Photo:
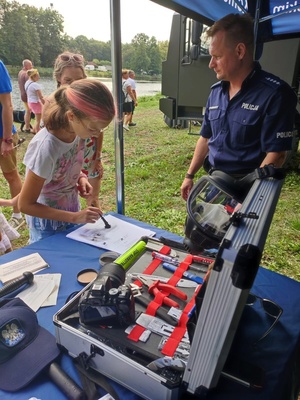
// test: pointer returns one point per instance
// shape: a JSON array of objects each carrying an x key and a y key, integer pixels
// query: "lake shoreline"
[{"x": 144, "y": 88}]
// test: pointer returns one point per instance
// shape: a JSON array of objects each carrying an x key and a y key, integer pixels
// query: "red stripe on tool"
[
  {"x": 179, "y": 330},
  {"x": 156, "y": 303},
  {"x": 183, "y": 266},
  {"x": 151, "y": 309},
  {"x": 155, "y": 262}
]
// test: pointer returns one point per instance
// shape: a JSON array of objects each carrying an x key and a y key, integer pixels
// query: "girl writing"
[
  {"x": 54, "y": 157},
  {"x": 69, "y": 67}
]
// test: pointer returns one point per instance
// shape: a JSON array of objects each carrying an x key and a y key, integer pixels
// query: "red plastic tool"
[{"x": 157, "y": 286}]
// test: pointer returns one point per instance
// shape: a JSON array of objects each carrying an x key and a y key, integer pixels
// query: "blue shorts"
[{"x": 36, "y": 233}]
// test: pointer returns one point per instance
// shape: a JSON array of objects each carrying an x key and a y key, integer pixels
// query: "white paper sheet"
[
  {"x": 43, "y": 292},
  {"x": 52, "y": 298},
  {"x": 120, "y": 237},
  {"x": 13, "y": 269}
]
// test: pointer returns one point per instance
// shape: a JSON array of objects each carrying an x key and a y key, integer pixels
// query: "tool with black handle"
[
  {"x": 65, "y": 383},
  {"x": 17, "y": 283},
  {"x": 160, "y": 312}
]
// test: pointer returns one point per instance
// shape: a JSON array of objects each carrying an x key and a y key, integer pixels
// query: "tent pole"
[
  {"x": 116, "y": 57},
  {"x": 256, "y": 23}
]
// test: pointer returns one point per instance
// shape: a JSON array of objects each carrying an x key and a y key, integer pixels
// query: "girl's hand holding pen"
[{"x": 89, "y": 214}]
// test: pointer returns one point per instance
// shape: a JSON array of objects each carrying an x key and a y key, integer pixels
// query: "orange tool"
[{"x": 157, "y": 286}]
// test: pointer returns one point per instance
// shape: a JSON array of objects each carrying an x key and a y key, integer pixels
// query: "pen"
[
  {"x": 186, "y": 274},
  {"x": 203, "y": 260},
  {"x": 192, "y": 310},
  {"x": 168, "y": 259},
  {"x": 176, "y": 262},
  {"x": 107, "y": 225}
]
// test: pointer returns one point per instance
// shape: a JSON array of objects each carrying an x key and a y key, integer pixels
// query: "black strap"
[
  {"x": 125, "y": 95},
  {"x": 269, "y": 171},
  {"x": 28, "y": 87},
  {"x": 90, "y": 378}
]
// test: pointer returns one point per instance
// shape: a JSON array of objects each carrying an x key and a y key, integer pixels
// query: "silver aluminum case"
[
  {"x": 228, "y": 287},
  {"x": 111, "y": 362},
  {"x": 220, "y": 312}
]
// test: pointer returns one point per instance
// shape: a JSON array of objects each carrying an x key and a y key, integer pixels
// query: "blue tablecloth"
[{"x": 277, "y": 355}]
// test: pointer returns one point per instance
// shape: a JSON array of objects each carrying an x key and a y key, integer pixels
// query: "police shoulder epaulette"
[{"x": 272, "y": 80}]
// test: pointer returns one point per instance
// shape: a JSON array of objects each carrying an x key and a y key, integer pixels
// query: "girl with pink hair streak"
[
  {"x": 69, "y": 67},
  {"x": 53, "y": 160}
]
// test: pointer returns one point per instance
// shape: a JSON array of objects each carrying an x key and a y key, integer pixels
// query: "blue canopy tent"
[{"x": 274, "y": 20}]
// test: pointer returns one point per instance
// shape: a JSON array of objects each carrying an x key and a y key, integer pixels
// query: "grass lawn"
[{"x": 156, "y": 159}]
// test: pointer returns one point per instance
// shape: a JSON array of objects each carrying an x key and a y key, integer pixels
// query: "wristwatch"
[
  {"x": 8, "y": 141},
  {"x": 189, "y": 176}
]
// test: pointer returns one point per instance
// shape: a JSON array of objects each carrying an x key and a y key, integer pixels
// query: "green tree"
[
  {"x": 82, "y": 45},
  {"x": 91, "y": 48},
  {"x": 18, "y": 38},
  {"x": 140, "y": 59},
  {"x": 163, "y": 49},
  {"x": 50, "y": 26},
  {"x": 38, "y": 34},
  {"x": 142, "y": 55},
  {"x": 106, "y": 51},
  {"x": 127, "y": 56},
  {"x": 70, "y": 44},
  {"x": 155, "y": 57}
]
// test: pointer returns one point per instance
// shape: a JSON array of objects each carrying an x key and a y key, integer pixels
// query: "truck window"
[{"x": 196, "y": 42}]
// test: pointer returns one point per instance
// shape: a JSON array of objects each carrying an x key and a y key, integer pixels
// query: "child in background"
[
  {"x": 54, "y": 158},
  {"x": 69, "y": 67},
  {"x": 35, "y": 97},
  {"x": 7, "y": 232}
]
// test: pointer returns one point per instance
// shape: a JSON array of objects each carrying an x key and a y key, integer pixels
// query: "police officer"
[{"x": 249, "y": 115}]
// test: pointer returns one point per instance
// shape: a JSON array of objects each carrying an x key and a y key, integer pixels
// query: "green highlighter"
[{"x": 131, "y": 255}]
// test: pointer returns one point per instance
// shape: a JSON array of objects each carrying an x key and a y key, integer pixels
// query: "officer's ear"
[{"x": 240, "y": 50}]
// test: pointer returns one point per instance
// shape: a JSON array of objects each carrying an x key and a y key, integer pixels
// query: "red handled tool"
[{"x": 164, "y": 288}]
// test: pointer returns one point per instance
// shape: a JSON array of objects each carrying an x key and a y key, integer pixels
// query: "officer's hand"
[{"x": 186, "y": 187}]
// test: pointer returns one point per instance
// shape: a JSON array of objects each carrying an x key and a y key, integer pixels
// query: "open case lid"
[{"x": 229, "y": 284}]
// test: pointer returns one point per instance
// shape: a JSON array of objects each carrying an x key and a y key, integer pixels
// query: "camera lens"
[{"x": 115, "y": 272}]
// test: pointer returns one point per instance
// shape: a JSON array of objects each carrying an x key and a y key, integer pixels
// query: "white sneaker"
[
  {"x": 126, "y": 127},
  {"x": 16, "y": 223},
  {"x": 7, "y": 229}
]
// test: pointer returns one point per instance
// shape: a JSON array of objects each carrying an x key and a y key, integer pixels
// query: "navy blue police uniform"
[{"x": 257, "y": 120}]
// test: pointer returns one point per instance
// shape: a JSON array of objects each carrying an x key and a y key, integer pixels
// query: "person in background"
[
  {"x": 53, "y": 160},
  {"x": 69, "y": 67},
  {"x": 249, "y": 115},
  {"x": 8, "y": 140},
  {"x": 129, "y": 99},
  {"x": 132, "y": 83},
  {"x": 35, "y": 97},
  {"x": 22, "y": 78},
  {"x": 7, "y": 232}
]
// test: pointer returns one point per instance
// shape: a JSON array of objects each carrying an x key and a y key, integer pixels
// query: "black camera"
[{"x": 108, "y": 301}]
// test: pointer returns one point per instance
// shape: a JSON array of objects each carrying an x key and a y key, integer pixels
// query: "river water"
[{"x": 143, "y": 88}]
